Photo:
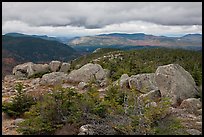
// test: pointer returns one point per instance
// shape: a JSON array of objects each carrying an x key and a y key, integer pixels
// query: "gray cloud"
[{"x": 98, "y": 15}]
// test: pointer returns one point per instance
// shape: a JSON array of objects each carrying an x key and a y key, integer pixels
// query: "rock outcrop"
[
  {"x": 65, "y": 67},
  {"x": 123, "y": 81},
  {"x": 143, "y": 82},
  {"x": 153, "y": 95},
  {"x": 53, "y": 78},
  {"x": 87, "y": 73},
  {"x": 176, "y": 83},
  {"x": 55, "y": 66},
  {"x": 29, "y": 69},
  {"x": 192, "y": 105},
  {"x": 21, "y": 70}
]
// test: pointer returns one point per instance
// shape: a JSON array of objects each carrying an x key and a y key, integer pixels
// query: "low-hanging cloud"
[{"x": 92, "y": 15}]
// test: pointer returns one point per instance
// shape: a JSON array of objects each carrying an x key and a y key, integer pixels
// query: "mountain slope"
[
  {"x": 24, "y": 48},
  {"x": 138, "y": 39},
  {"x": 134, "y": 62}
]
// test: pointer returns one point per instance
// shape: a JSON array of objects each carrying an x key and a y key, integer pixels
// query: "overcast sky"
[{"x": 90, "y": 18}]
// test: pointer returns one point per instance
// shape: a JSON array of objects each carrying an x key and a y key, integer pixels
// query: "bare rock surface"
[
  {"x": 87, "y": 73},
  {"x": 143, "y": 82},
  {"x": 54, "y": 66},
  {"x": 175, "y": 82}
]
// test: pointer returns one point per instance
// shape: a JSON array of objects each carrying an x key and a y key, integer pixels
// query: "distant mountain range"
[
  {"x": 19, "y": 48},
  {"x": 138, "y": 39},
  {"x": 45, "y": 37}
]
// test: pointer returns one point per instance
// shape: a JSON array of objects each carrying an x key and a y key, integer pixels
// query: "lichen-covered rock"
[
  {"x": 35, "y": 81},
  {"x": 37, "y": 68},
  {"x": 143, "y": 82},
  {"x": 55, "y": 66},
  {"x": 193, "y": 132},
  {"x": 21, "y": 70},
  {"x": 65, "y": 67},
  {"x": 87, "y": 73},
  {"x": 176, "y": 83},
  {"x": 123, "y": 81},
  {"x": 53, "y": 78},
  {"x": 153, "y": 95},
  {"x": 28, "y": 69},
  {"x": 192, "y": 105}
]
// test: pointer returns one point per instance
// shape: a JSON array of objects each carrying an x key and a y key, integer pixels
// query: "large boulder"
[
  {"x": 65, "y": 67},
  {"x": 176, "y": 83},
  {"x": 143, "y": 82},
  {"x": 87, "y": 73},
  {"x": 37, "y": 68},
  {"x": 55, "y": 66},
  {"x": 21, "y": 70},
  {"x": 28, "y": 69},
  {"x": 53, "y": 78}
]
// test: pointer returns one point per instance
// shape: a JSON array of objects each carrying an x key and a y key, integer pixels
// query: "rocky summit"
[{"x": 171, "y": 81}]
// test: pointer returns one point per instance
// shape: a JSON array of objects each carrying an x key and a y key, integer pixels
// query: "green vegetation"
[
  {"x": 170, "y": 126},
  {"x": 65, "y": 106},
  {"x": 120, "y": 108},
  {"x": 19, "y": 104},
  {"x": 145, "y": 61},
  {"x": 38, "y": 75}
]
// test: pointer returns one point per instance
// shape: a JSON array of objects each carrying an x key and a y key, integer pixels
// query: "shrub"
[
  {"x": 169, "y": 126},
  {"x": 38, "y": 75},
  {"x": 20, "y": 103},
  {"x": 56, "y": 108}
]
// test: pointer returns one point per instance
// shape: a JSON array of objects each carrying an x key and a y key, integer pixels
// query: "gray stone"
[
  {"x": 87, "y": 73},
  {"x": 153, "y": 95},
  {"x": 199, "y": 112},
  {"x": 86, "y": 130},
  {"x": 97, "y": 129},
  {"x": 82, "y": 85},
  {"x": 194, "y": 132},
  {"x": 37, "y": 68},
  {"x": 151, "y": 104},
  {"x": 65, "y": 67},
  {"x": 123, "y": 81},
  {"x": 9, "y": 78},
  {"x": 192, "y": 105},
  {"x": 17, "y": 121},
  {"x": 176, "y": 83},
  {"x": 143, "y": 82},
  {"x": 53, "y": 78},
  {"x": 35, "y": 81},
  {"x": 22, "y": 69},
  {"x": 55, "y": 66},
  {"x": 28, "y": 69}
]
